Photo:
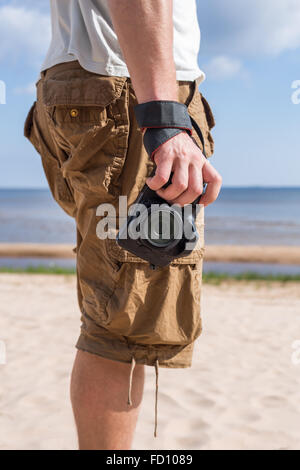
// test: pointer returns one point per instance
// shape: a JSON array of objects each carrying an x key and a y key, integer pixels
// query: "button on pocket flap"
[{"x": 97, "y": 91}]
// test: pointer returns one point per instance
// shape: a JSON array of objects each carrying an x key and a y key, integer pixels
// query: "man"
[{"x": 105, "y": 58}]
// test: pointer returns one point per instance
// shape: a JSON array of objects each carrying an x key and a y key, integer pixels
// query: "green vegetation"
[
  {"x": 38, "y": 270},
  {"x": 217, "y": 278},
  {"x": 209, "y": 278}
]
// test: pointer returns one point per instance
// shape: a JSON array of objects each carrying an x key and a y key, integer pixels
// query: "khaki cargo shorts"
[{"x": 84, "y": 128}]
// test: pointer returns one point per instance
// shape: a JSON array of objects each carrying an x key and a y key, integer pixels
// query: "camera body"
[{"x": 157, "y": 231}]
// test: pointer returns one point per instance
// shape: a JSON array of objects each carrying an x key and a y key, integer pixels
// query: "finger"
[
  {"x": 162, "y": 175},
  {"x": 179, "y": 183},
  {"x": 214, "y": 184},
  {"x": 195, "y": 187}
]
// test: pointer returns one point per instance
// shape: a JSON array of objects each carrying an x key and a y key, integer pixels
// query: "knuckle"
[
  {"x": 197, "y": 189},
  {"x": 171, "y": 194},
  {"x": 181, "y": 186},
  {"x": 161, "y": 179},
  {"x": 151, "y": 184},
  {"x": 196, "y": 164},
  {"x": 218, "y": 179},
  {"x": 211, "y": 199}
]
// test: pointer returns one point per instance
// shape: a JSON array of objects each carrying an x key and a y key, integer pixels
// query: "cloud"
[
  {"x": 41, "y": 5},
  {"x": 28, "y": 89},
  {"x": 249, "y": 27},
  {"x": 2, "y": 92},
  {"x": 223, "y": 68},
  {"x": 24, "y": 33}
]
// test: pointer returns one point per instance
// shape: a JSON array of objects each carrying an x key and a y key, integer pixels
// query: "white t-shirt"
[{"x": 82, "y": 30}]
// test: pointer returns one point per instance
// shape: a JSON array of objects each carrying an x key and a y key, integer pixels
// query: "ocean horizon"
[{"x": 241, "y": 216}]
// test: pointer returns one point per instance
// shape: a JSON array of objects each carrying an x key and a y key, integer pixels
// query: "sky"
[{"x": 250, "y": 52}]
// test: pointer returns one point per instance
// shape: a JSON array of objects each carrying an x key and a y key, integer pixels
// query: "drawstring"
[
  {"x": 130, "y": 381},
  {"x": 129, "y": 402},
  {"x": 156, "y": 396}
]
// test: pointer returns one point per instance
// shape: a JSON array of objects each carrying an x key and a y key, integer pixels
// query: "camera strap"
[{"x": 162, "y": 120}]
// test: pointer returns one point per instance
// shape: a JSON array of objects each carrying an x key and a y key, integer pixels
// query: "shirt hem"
[{"x": 115, "y": 70}]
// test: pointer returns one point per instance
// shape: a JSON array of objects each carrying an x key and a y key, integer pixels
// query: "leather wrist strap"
[{"x": 162, "y": 121}]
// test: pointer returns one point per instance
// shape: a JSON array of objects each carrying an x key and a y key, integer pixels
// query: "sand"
[
  {"x": 219, "y": 253},
  {"x": 241, "y": 393}
]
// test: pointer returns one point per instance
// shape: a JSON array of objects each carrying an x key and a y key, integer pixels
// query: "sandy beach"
[{"x": 241, "y": 393}]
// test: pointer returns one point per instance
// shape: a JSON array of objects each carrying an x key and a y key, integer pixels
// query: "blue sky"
[{"x": 250, "y": 52}]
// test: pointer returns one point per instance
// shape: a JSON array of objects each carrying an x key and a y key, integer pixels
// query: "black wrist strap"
[
  {"x": 163, "y": 120},
  {"x": 158, "y": 114}
]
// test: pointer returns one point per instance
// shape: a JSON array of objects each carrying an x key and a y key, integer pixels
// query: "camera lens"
[{"x": 162, "y": 227}]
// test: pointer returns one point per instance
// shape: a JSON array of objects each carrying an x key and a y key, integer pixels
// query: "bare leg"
[{"x": 99, "y": 391}]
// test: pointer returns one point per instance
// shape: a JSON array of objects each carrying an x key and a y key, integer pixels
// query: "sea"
[{"x": 240, "y": 216}]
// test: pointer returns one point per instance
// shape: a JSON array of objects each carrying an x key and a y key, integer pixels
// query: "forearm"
[{"x": 145, "y": 33}]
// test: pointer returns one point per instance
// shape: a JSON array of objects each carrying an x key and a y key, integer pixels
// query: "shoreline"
[
  {"x": 210, "y": 277},
  {"x": 288, "y": 255}
]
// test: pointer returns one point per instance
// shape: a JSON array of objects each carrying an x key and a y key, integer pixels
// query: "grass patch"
[
  {"x": 39, "y": 270},
  {"x": 209, "y": 278},
  {"x": 217, "y": 278}
]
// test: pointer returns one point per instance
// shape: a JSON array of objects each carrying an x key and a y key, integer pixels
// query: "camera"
[{"x": 157, "y": 231}]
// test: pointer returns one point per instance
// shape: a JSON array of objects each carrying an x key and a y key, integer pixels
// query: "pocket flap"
[
  {"x": 99, "y": 91},
  {"x": 29, "y": 121},
  {"x": 208, "y": 113}
]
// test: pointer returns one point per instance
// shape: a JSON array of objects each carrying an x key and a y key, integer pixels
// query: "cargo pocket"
[
  {"x": 36, "y": 131},
  {"x": 89, "y": 119},
  {"x": 155, "y": 307},
  {"x": 160, "y": 306}
]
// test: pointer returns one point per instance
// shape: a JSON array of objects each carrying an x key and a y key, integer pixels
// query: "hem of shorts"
[
  {"x": 115, "y": 70},
  {"x": 86, "y": 344}
]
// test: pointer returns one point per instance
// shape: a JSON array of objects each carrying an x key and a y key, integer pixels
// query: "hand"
[{"x": 182, "y": 156}]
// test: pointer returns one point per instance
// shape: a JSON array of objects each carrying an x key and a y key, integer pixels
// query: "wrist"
[
  {"x": 159, "y": 95},
  {"x": 156, "y": 90},
  {"x": 162, "y": 120}
]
